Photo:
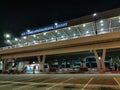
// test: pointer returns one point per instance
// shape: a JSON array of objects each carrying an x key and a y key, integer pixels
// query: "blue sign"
[{"x": 52, "y": 27}]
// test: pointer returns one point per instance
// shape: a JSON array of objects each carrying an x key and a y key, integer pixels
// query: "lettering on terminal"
[{"x": 48, "y": 28}]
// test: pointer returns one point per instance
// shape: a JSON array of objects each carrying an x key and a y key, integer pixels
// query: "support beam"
[
  {"x": 41, "y": 60},
  {"x": 59, "y": 64},
  {"x": 100, "y": 61},
  {"x": 61, "y": 50},
  {"x": 4, "y": 66},
  {"x": 71, "y": 63}
]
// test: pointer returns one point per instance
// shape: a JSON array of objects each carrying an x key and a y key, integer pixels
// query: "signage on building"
[{"x": 44, "y": 29}]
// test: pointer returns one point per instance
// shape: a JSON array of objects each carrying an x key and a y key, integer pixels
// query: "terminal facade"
[{"x": 87, "y": 44}]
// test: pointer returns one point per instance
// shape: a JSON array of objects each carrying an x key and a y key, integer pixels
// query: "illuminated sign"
[{"x": 48, "y": 28}]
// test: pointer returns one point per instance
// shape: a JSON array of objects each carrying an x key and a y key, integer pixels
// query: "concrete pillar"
[
  {"x": 83, "y": 62},
  {"x": 59, "y": 64},
  {"x": 100, "y": 61},
  {"x": 71, "y": 64},
  {"x": 4, "y": 65},
  {"x": 41, "y": 60}
]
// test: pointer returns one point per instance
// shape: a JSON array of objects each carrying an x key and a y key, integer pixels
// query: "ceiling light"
[
  {"x": 34, "y": 35},
  {"x": 84, "y": 25},
  {"x": 101, "y": 21},
  {"x": 28, "y": 30},
  {"x": 119, "y": 21},
  {"x": 44, "y": 33},
  {"x": 34, "y": 41},
  {"x": 99, "y": 58},
  {"x": 16, "y": 39},
  {"x": 8, "y": 41},
  {"x": 52, "y": 38},
  {"x": 101, "y": 24},
  {"x": 87, "y": 31},
  {"x": 74, "y": 34},
  {"x": 101, "y": 29},
  {"x": 69, "y": 28},
  {"x": 24, "y": 37},
  {"x": 62, "y": 36},
  {"x": 56, "y": 24}
]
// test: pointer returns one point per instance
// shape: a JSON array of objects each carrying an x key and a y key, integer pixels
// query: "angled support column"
[
  {"x": 71, "y": 63},
  {"x": 4, "y": 66},
  {"x": 100, "y": 61},
  {"x": 41, "y": 60},
  {"x": 59, "y": 64}
]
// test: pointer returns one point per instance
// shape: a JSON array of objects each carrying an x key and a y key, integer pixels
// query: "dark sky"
[{"x": 17, "y": 16}]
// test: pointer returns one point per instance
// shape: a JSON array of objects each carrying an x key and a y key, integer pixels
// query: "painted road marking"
[
  {"x": 59, "y": 83},
  {"x": 117, "y": 81},
  {"x": 33, "y": 84},
  {"x": 87, "y": 84},
  {"x": 4, "y": 85}
]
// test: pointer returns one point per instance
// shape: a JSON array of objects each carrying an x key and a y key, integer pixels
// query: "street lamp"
[
  {"x": 7, "y": 35},
  {"x": 95, "y": 26}
]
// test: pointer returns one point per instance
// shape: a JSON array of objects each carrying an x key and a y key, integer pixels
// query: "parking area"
[{"x": 60, "y": 82}]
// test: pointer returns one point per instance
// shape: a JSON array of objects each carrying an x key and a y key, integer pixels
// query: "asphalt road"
[{"x": 60, "y": 82}]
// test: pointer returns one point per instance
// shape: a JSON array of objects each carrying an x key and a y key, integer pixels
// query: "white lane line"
[
  {"x": 117, "y": 81},
  {"x": 33, "y": 84},
  {"x": 4, "y": 85},
  {"x": 87, "y": 84},
  {"x": 59, "y": 83}
]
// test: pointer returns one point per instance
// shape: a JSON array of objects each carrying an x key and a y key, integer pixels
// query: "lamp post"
[{"x": 95, "y": 26}]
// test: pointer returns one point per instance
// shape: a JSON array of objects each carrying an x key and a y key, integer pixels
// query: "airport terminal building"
[{"x": 86, "y": 44}]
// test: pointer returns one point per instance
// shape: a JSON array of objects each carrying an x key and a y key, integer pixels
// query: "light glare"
[
  {"x": 95, "y": 14},
  {"x": 7, "y": 35},
  {"x": 16, "y": 39},
  {"x": 84, "y": 25}
]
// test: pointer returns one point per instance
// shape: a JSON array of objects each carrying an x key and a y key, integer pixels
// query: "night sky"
[{"x": 17, "y": 16}]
